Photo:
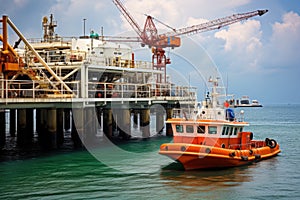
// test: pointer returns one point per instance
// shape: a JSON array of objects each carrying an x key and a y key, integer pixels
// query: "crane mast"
[{"x": 149, "y": 35}]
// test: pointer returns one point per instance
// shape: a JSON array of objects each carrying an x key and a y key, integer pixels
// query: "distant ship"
[{"x": 246, "y": 102}]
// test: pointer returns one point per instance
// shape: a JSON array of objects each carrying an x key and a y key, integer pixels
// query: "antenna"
[{"x": 84, "y": 27}]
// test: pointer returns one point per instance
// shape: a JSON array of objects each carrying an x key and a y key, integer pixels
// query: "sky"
[{"x": 258, "y": 57}]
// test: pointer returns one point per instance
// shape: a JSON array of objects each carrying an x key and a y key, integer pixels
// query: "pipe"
[{"x": 5, "y": 43}]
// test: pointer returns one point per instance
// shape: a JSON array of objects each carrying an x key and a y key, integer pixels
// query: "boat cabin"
[{"x": 211, "y": 133}]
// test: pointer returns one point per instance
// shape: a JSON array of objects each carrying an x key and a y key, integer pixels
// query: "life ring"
[{"x": 271, "y": 143}]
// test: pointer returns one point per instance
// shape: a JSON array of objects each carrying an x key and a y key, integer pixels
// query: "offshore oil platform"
[{"x": 92, "y": 82}]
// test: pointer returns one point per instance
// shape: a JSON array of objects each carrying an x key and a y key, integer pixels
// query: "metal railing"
[
  {"x": 61, "y": 40},
  {"x": 42, "y": 89},
  {"x": 35, "y": 89},
  {"x": 132, "y": 90},
  {"x": 118, "y": 62}
]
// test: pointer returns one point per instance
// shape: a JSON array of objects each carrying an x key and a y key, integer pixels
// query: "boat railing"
[
  {"x": 239, "y": 146},
  {"x": 183, "y": 113},
  {"x": 239, "y": 116},
  {"x": 252, "y": 144}
]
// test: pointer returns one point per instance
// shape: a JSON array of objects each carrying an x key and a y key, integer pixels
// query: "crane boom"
[
  {"x": 128, "y": 17},
  {"x": 214, "y": 24}
]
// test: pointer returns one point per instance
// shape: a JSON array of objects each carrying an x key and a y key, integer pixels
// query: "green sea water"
[{"x": 144, "y": 174}]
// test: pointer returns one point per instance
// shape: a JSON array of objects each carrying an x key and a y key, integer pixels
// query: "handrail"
[{"x": 30, "y": 89}]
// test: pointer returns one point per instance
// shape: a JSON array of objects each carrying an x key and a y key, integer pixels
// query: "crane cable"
[{"x": 166, "y": 25}]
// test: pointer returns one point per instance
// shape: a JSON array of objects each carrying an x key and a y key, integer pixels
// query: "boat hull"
[{"x": 207, "y": 157}]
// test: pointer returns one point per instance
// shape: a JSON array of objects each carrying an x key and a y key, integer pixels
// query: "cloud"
[
  {"x": 20, "y": 3},
  {"x": 8, "y": 7},
  {"x": 283, "y": 48},
  {"x": 70, "y": 15},
  {"x": 243, "y": 43},
  {"x": 242, "y": 37},
  {"x": 241, "y": 47}
]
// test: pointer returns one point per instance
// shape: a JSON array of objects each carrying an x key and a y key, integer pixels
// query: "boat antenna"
[
  {"x": 102, "y": 32},
  {"x": 226, "y": 85}
]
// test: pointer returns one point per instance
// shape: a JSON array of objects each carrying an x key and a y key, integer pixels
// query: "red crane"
[{"x": 149, "y": 35}]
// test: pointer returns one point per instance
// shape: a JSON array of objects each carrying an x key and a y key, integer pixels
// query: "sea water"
[{"x": 144, "y": 174}]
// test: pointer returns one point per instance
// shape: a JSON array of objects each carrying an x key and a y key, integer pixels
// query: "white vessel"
[{"x": 246, "y": 102}]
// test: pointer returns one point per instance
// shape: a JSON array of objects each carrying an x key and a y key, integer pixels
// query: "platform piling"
[
  {"x": 60, "y": 126},
  {"x": 107, "y": 123},
  {"x": 145, "y": 122},
  {"x": 99, "y": 116},
  {"x": 123, "y": 122},
  {"x": 2, "y": 128},
  {"x": 39, "y": 121},
  {"x": 90, "y": 122},
  {"x": 77, "y": 127},
  {"x": 67, "y": 119},
  {"x": 21, "y": 127},
  {"x": 29, "y": 123},
  {"x": 12, "y": 122},
  {"x": 52, "y": 127},
  {"x": 135, "y": 118},
  {"x": 159, "y": 121}
]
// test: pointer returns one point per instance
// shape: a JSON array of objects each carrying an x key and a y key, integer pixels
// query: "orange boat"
[{"x": 214, "y": 137}]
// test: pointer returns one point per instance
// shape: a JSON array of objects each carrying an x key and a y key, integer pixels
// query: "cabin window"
[
  {"x": 230, "y": 130},
  {"x": 227, "y": 130},
  {"x": 201, "y": 129},
  {"x": 189, "y": 129},
  {"x": 212, "y": 130},
  {"x": 235, "y": 131},
  {"x": 241, "y": 129},
  {"x": 179, "y": 128},
  {"x": 224, "y": 130}
]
